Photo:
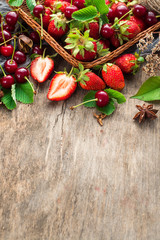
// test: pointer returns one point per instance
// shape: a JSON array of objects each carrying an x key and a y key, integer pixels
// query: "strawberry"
[
  {"x": 88, "y": 80},
  {"x": 129, "y": 63},
  {"x": 129, "y": 29},
  {"x": 107, "y": 2},
  {"x": 58, "y": 26},
  {"x": 46, "y": 17},
  {"x": 60, "y": 6},
  {"x": 94, "y": 29},
  {"x": 103, "y": 47},
  {"x": 62, "y": 86},
  {"x": 139, "y": 21},
  {"x": 49, "y": 3},
  {"x": 115, "y": 5},
  {"x": 82, "y": 47},
  {"x": 115, "y": 41},
  {"x": 41, "y": 68},
  {"x": 113, "y": 76}
]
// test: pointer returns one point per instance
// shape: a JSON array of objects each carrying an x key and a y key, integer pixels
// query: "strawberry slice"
[
  {"x": 41, "y": 68},
  {"x": 61, "y": 87}
]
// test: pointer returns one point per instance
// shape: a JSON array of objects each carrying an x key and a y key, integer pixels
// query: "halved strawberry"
[
  {"x": 41, "y": 68},
  {"x": 62, "y": 86}
]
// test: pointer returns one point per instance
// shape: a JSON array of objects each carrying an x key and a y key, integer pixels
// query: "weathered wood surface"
[{"x": 63, "y": 177}]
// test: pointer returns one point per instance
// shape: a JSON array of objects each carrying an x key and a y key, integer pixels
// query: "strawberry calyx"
[
  {"x": 60, "y": 20},
  {"x": 101, "y": 51},
  {"x": 105, "y": 66},
  {"x": 137, "y": 62},
  {"x": 78, "y": 42},
  {"x": 80, "y": 74}
]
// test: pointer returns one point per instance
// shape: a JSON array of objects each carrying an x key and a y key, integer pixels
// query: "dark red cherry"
[
  {"x": 121, "y": 10},
  {"x": 111, "y": 15},
  {"x": 150, "y": 18},
  {"x": 139, "y": 10},
  {"x": 107, "y": 31},
  {"x": 103, "y": 98},
  {"x": 11, "y": 18},
  {"x": 37, "y": 50},
  {"x": 38, "y": 9},
  {"x": 7, "y": 81},
  {"x": 21, "y": 74},
  {"x": 10, "y": 66},
  {"x": 19, "y": 57},
  {"x": 69, "y": 10},
  {"x": 35, "y": 37},
  {"x": 8, "y": 28},
  {"x": 79, "y": 3},
  {"x": 6, "y": 50},
  {"x": 7, "y": 36}
]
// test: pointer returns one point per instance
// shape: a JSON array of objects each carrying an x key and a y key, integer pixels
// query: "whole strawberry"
[
  {"x": 58, "y": 26},
  {"x": 113, "y": 76},
  {"x": 59, "y": 6},
  {"x": 49, "y": 3},
  {"x": 139, "y": 21},
  {"x": 129, "y": 29},
  {"x": 129, "y": 63},
  {"x": 93, "y": 26},
  {"x": 46, "y": 18},
  {"x": 88, "y": 80},
  {"x": 82, "y": 47}
]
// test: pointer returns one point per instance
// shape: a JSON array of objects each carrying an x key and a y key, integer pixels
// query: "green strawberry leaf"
[
  {"x": 9, "y": 98},
  {"x": 108, "y": 109},
  {"x": 140, "y": 59},
  {"x": 101, "y": 6},
  {"x": 85, "y": 14},
  {"x": 89, "y": 96},
  {"x": 88, "y": 3},
  {"x": 120, "y": 98},
  {"x": 15, "y": 3},
  {"x": 150, "y": 90},
  {"x": 31, "y": 4},
  {"x": 104, "y": 18},
  {"x": 24, "y": 92}
]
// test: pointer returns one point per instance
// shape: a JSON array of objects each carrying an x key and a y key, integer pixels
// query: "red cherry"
[
  {"x": 79, "y": 3},
  {"x": 139, "y": 10},
  {"x": 107, "y": 31},
  {"x": 111, "y": 15},
  {"x": 69, "y": 10},
  {"x": 19, "y": 57},
  {"x": 38, "y": 10},
  {"x": 6, "y": 50},
  {"x": 103, "y": 98},
  {"x": 8, "y": 28},
  {"x": 10, "y": 66},
  {"x": 35, "y": 37},
  {"x": 11, "y": 18},
  {"x": 37, "y": 50},
  {"x": 115, "y": 41},
  {"x": 150, "y": 18},
  {"x": 7, "y": 36},
  {"x": 121, "y": 10},
  {"x": 21, "y": 74},
  {"x": 7, "y": 81}
]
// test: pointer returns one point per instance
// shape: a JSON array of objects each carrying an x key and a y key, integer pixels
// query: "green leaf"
[
  {"x": 140, "y": 59},
  {"x": 31, "y": 4},
  {"x": 88, "y": 2},
  {"x": 24, "y": 92},
  {"x": 120, "y": 98},
  {"x": 89, "y": 96},
  {"x": 108, "y": 109},
  {"x": 150, "y": 90},
  {"x": 101, "y": 6},
  {"x": 15, "y": 3},
  {"x": 85, "y": 14},
  {"x": 8, "y": 100},
  {"x": 104, "y": 19}
]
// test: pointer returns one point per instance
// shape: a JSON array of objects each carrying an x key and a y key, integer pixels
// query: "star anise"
[
  {"x": 100, "y": 117},
  {"x": 145, "y": 112}
]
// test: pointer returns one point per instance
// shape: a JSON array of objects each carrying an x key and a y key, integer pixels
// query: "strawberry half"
[
  {"x": 41, "y": 68},
  {"x": 62, "y": 86}
]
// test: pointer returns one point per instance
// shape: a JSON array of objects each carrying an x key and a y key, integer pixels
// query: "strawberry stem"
[
  {"x": 3, "y": 71},
  {"x": 70, "y": 72},
  {"x": 91, "y": 100},
  {"x": 44, "y": 53},
  {"x": 13, "y": 49},
  {"x": 121, "y": 18}
]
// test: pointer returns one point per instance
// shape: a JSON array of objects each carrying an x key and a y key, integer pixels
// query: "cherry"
[
  {"x": 115, "y": 41},
  {"x": 121, "y": 10},
  {"x": 19, "y": 57},
  {"x": 69, "y": 10},
  {"x": 6, "y": 50},
  {"x": 107, "y": 31},
  {"x": 103, "y": 98},
  {"x": 111, "y": 15},
  {"x": 37, "y": 50},
  {"x": 10, "y": 66},
  {"x": 38, "y": 10},
  {"x": 46, "y": 18},
  {"x": 11, "y": 18},
  {"x": 21, "y": 75},
  {"x": 139, "y": 10},
  {"x": 35, "y": 37},
  {"x": 79, "y": 3},
  {"x": 7, "y": 81},
  {"x": 7, "y": 36},
  {"x": 8, "y": 28},
  {"x": 150, "y": 18}
]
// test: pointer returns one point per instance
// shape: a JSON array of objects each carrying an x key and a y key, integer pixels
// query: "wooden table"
[{"x": 64, "y": 177}]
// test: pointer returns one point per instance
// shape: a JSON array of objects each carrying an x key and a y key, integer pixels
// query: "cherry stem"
[
  {"x": 71, "y": 2},
  {"x": 3, "y": 71},
  {"x": 40, "y": 44},
  {"x": 30, "y": 84},
  {"x": 21, "y": 25},
  {"x": 157, "y": 16},
  {"x": 3, "y": 32},
  {"x": 41, "y": 25},
  {"x": 28, "y": 65},
  {"x": 13, "y": 49},
  {"x": 92, "y": 100},
  {"x": 121, "y": 18}
]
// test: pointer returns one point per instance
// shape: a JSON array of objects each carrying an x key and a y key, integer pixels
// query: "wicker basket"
[{"x": 27, "y": 17}]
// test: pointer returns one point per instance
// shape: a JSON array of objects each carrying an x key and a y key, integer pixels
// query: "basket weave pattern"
[{"x": 27, "y": 17}]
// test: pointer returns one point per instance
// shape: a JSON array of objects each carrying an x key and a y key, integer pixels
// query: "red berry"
[
  {"x": 38, "y": 9},
  {"x": 7, "y": 81},
  {"x": 139, "y": 10},
  {"x": 150, "y": 18},
  {"x": 8, "y": 28},
  {"x": 6, "y": 50},
  {"x": 35, "y": 37},
  {"x": 7, "y": 36},
  {"x": 37, "y": 50},
  {"x": 11, "y": 18},
  {"x": 79, "y": 3},
  {"x": 10, "y": 67},
  {"x": 21, "y": 74},
  {"x": 103, "y": 98},
  {"x": 19, "y": 57},
  {"x": 69, "y": 10},
  {"x": 107, "y": 31},
  {"x": 111, "y": 15},
  {"x": 121, "y": 10}
]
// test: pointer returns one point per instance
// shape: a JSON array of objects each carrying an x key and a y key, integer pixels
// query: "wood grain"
[{"x": 63, "y": 177}]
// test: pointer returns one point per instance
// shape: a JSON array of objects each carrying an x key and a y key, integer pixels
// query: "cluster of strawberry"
[{"x": 87, "y": 40}]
